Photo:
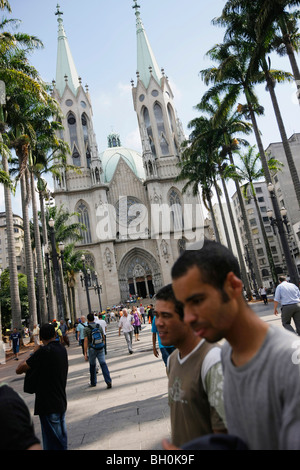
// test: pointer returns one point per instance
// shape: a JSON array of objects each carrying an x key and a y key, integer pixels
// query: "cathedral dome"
[{"x": 111, "y": 156}]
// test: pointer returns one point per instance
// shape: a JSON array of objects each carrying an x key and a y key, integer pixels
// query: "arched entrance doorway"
[
  {"x": 141, "y": 283},
  {"x": 139, "y": 274}
]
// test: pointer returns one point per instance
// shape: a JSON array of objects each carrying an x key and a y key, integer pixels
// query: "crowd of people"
[{"x": 233, "y": 379}]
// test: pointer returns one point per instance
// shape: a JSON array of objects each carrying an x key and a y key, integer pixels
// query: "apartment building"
[{"x": 19, "y": 243}]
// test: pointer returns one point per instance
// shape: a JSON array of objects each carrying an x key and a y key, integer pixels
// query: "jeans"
[
  {"x": 100, "y": 355},
  {"x": 128, "y": 336},
  {"x": 54, "y": 431}
]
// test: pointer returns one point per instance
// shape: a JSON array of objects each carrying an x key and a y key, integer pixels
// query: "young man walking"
[
  {"x": 49, "y": 363},
  {"x": 92, "y": 353},
  {"x": 194, "y": 371},
  {"x": 261, "y": 364}
]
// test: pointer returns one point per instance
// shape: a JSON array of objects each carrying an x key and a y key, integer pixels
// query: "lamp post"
[
  {"x": 85, "y": 280},
  {"x": 279, "y": 220},
  {"x": 274, "y": 222},
  {"x": 57, "y": 280},
  {"x": 98, "y": 289}
]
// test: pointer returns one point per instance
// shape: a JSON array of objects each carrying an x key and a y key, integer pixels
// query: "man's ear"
[{"x": 233, "y": 284}]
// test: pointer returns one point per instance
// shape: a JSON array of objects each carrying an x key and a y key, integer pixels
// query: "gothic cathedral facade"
[{"x": 121, "y": 196}]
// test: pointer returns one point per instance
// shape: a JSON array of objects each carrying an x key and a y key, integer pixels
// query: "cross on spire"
[
  {"x": 59, "y": 13},
  {"x": 136, "y": 7}
]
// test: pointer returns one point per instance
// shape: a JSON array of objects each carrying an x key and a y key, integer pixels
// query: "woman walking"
[{"x": 136, "y": 323}]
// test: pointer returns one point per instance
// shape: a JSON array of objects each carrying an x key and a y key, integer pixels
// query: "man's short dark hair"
[
  {"x": 166, "y": 293},
  {"x": 282, "y": 278},
  {"x": 91, "y": 317},
  {"x": 213, "y": 260},
  {"x": 47, "y": 331}
]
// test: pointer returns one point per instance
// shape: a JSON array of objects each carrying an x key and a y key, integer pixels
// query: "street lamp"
[
  {"x": 98, "y": 289},
  {"x": 85, "y": 280},
  {"x": 55, "y": 258},
  {"x": 279, "y": 220},
  {"x": 273, "y": 222}
]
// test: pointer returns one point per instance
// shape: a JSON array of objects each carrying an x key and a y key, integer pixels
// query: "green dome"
[{"x": 110, "y": 159}]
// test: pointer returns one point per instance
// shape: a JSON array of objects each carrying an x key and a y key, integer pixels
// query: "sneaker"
[
  {"x": 130, "y": 352},
  {"x": 90, "y": 385},
  {"x": 108, "y": 385}
]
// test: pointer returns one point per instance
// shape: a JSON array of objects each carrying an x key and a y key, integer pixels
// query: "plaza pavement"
[{"x": 134, "y": 413}]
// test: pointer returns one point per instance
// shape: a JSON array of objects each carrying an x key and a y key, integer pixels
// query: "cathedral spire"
[
  {"x": 66, "y": 73},
  {"x": 146, "y": 62}
]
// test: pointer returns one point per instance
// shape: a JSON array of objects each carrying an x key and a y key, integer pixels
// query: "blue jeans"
[
  {"x": 54, "y": 431},
  {"x": 165, "y": 352},
  {"x": 100, "y": 355}
]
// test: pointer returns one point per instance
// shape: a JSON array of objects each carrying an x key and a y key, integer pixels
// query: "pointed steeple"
[
  {"x": 66, "y": 72},
  {"x": 146, "y": 62}
]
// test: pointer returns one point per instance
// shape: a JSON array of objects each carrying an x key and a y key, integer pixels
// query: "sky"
[{"x": 102, "y": 38}]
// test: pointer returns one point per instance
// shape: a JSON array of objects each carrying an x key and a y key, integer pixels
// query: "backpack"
[
  {"x": 57, "y": 335},
  {"x": 97, "y": 337}
]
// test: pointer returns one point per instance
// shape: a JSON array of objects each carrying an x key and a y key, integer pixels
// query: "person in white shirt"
[
  {"x": 103, "y": 324},
  {"x": 125, "y": 324},
  {"x": 288, "y": 295},
  {"x": 263, "y": 293}
]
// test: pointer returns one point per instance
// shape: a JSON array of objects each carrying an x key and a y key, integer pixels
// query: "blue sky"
[{"x": 102, "y": 38}]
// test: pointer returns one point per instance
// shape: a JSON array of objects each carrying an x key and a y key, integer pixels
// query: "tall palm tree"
[
  {"x": 14, "y": 71},
  {"x": 249, "y": 171},
  {"x": 240, "y": 19},
  {"x": 232, "y": 75},
  {"x": 66, "y": 230},
  {"x": 196, "y": 172},
  {"x": 228, "y": 124},
  {"x": 40, "y": 163},
  {"x": 72, "y": 265}
]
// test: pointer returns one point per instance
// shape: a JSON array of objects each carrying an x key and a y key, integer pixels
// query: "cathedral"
[{"x": 137, "y": 218}]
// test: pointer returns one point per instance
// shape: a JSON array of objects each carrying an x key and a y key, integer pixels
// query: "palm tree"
[
  {"x": 40, "y": 163},
  {"x": 232, "y": 75},
  {"x": 65, "y": 230},
  {"x": 286, "y": 41},
  {"x": 241, "y": 21},
  {"x": 72, "y": 265},
  {"x": 4, "y": 4},
  {"x": 14, "y": 70},
  {"x": 251, "y": 171},
  {"x": 196, "y": 172},
  {"x": 229, "y": 124}
]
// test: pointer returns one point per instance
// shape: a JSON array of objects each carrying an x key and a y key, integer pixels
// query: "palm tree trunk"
[
  {"x": 285, "y": 142},
  {"x": 291, "y": 55},
  {"x": 39, "y": 258},
  {"x": 213, "y": 217},
  {"x": 237, "y": 242},
  {"x": 292, "y": 270},
  {"x": 25, "y": 196},
  {"x": 247, "y": 229},
  {"x": 223, "y": 216},
  {"x": 74, "y": 305},
  {"x": 11, "y": 251},
  {"x": 52, "y": 310}
]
